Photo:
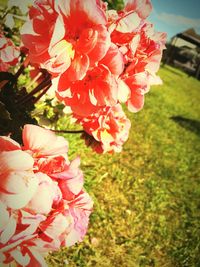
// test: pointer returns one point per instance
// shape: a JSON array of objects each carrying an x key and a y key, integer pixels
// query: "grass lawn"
[{"x": 147, "y": 198}]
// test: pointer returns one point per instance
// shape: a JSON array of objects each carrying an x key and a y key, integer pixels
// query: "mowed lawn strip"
[{"x": 146, "y": 198}]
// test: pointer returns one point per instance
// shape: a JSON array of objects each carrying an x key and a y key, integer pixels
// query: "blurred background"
[{"x": 181, "y": 21}]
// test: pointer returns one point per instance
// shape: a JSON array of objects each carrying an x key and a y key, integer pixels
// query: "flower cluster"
[
  {"x": 99, "y": 59},
  {"x": 9, "y": 53},
  {"x": 43, "y": 205}
]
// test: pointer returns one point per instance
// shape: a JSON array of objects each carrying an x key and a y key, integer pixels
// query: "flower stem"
[
  {"x": 34, "y": 80},
  {"x": 42, "y": 93},
  {"x": 45, "y": 83},
  {"x": 21, "y": 69},
  {"x": 68, "y": 131}
]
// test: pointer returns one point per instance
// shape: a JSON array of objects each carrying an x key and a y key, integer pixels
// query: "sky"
[{"x": 174, "y": 16}]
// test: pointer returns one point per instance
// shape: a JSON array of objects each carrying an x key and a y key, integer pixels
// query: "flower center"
[{"x": 63, "y": 47}]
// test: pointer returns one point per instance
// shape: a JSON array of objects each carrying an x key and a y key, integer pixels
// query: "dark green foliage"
[
  {"x": 13, "y": 115},
  {"x": 116, "y": 4}
]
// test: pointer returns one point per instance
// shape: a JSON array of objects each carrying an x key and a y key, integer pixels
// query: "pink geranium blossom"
[
  {"x": 142, "y": 51},
  {"x": 107, "y": 130},
  {"x": 77, "y": 36},
  {"x": 101, "y": 58},
  {"x": 39, "y": 187},
  {"x": 99, "y": 88}
]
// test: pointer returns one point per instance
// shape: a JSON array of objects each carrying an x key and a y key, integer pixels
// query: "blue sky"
[{"x": 174, "y": 16}]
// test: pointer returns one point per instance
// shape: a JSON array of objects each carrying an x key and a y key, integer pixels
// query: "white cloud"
[{"x": 178, "y": 20}]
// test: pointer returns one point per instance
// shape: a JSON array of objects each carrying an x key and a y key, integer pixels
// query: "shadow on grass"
[{"x": 188, "y": 124}]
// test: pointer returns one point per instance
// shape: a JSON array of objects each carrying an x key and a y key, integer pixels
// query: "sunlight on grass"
[{"x": 146, "y": 210}]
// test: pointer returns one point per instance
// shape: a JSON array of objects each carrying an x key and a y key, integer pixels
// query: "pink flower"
[
  {"x": 109, "y": 128},
  {"x": 141, "y": 47},
  {"x": 101, "y": 58},
  {"x": 9, "y": 53},
  {"x": 99, "y": 88},
  {"x": 142, "y": 63},
  {"x": 77, "y": 36},
  {"x": 42, "y": 142},
  {"x": 42, "y": 204}
]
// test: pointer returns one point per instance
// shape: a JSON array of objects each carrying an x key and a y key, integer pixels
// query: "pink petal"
[
  {"x": 61, "y": 55},
  {"x": 78, "y": 68},
  {"x": 138, "y": 85},
  {"x": 4, "y": 215},
  {"x": 72, "y": 238},
  {"x": 128, "y": 23},
  {"x": 36, "y": 138},
  {"x": 20, "y": 258},
  {"x": 22, "y": 186},
  {"x": 59, "y": 31},
  {"x": 154, "y": 61},
  {"x": 155, "y": 80},
  {"x": 142, "y": 7},
  {"x": 36, "y": 258},
  {"x": 75, "y": 163},
  {"x": 8, "y": 231},
  {"x": 7, "y": 144},
  {"x": 16, "y": 160},
  {"x": 32, "y": 222},
  {"x": 136, "y": 102},
  {"x": 102, "y": 44},
  {"x": 113, "y": 60},
  {"x": 43, "y": 198},
  {"x": 83, "y": 201},
  {"x": 123, "y": 92},
  {"x": 81, "y": 12},
  {"x": 105, "y": 87},
  {"x": 87, "y": 40},
  {"x": 59, "y": 225},
  {"x": 31, "y": 219},
  {"x": 43, "y": 141},
  {"x": 71, "y": 187},
  {"x": 3, "y": 41},
  {"x": 16, "y": 243},
  {"x": 59, "y": 147}
]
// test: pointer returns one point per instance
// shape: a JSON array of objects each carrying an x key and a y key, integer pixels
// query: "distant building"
[{"x": 184, "y": 51}]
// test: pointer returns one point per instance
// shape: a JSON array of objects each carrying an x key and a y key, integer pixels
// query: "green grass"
[{"x": 147, "y": 198}]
